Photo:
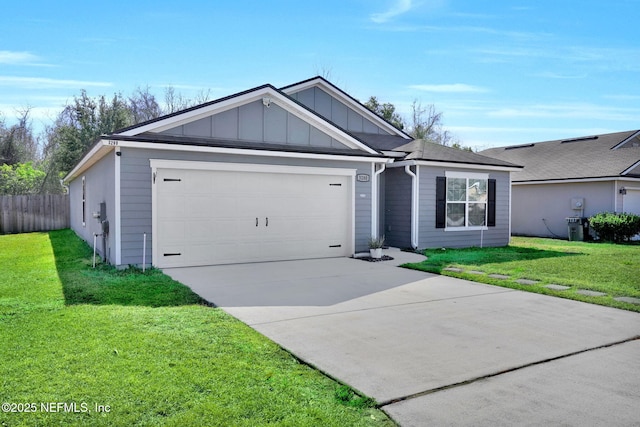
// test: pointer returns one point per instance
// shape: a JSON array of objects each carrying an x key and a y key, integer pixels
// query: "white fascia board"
[
  {"x": 266, "y": 92},
  {"x": 395, "y": 154},
  {"x": 349, "y": 102},
  {"x": 99, "y": 150},
  {"x": 242, "y": 151},
  {"x": 637, "y": 134},
  {"x": 455, "y": 165},
  {"x": 571, "y": 181},
  {"x": 632, "y": 167}
]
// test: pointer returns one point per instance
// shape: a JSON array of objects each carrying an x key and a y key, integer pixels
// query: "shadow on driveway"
[{"x": 314, "y": 282}]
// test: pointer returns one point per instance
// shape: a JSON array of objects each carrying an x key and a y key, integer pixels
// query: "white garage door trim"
[{"x": 248, "y": 167}]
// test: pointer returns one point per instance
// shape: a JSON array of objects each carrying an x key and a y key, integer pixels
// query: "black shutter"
[
  {"x": 491, "y": 212},
  {"x": 441, "y": 202}
]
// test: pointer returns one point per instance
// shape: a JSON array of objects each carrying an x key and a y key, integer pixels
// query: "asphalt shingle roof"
[
  {"x": 419, "y": 149},
  {"x": 380, "y": 142},
  {"x": 578, "y": 158}
]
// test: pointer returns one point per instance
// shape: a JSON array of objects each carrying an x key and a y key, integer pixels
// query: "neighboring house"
[
  {"x": 305, "y": 171},
  {"x": 576, "y": 177}
]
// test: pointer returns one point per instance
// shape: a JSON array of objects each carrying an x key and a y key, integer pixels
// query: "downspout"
[
  {"x": 375, "y": 208},
  {"x": 414, "y": 206}
]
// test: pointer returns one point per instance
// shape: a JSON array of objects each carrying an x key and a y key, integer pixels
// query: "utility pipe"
[
  {"x": 144, "y": 251},
  {"x": 95, "y": 236}
]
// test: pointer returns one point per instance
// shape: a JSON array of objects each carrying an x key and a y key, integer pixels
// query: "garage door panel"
[
  {"x": 171, "y": 209},
  {"x": 173, "y": 230},
  {"x": 209, "y": 217}
]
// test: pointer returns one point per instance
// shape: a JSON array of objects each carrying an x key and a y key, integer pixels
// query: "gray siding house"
[
  {"x": 304, "y": 171},
  {"x": 439, "y": 196},
  {"x": 575, "y": 177}
]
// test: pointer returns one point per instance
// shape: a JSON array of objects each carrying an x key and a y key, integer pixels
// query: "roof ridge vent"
[
  {"x": 585, "y": 138},
  {"x": 513, "y": 147}
]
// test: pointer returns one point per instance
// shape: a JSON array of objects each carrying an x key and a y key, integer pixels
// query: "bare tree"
[
  {"x": 426, "y": 123},
  {"x": 18, "y": 144},
  {"x": 201, "y": 97},
  {"x": 174, "y": 101},
  {"x": 324, "y": 71},
  {"x": 143, "y": 105}
]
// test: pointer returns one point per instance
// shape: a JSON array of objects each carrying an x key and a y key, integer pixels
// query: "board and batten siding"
[
  {"x": 135, "y": 193},
  {"x": 100, "y": 187},
  {"x": 431, "y": 237},
  {"x": 397, "y": 216},
  {"x": 336, "y": 111},
  {"x": 257, "y": 123}
]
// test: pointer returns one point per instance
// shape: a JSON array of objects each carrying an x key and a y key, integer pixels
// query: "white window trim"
[
  {"x": 474, "y": 228},
  {"x": 467, "y": 175},
  {"x": 470, "y": 175}
]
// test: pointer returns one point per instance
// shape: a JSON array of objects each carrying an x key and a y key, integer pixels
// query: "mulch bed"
[{"x": 368, "y": 258}]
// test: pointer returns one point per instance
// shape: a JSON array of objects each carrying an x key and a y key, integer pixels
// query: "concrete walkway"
[{"x": 435, "y": 350}]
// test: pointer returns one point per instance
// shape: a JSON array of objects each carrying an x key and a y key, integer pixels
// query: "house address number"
[{"x": 362, "y": 177}]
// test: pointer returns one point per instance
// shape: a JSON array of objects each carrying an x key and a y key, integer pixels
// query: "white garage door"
[{"x": 207, "y": 217}]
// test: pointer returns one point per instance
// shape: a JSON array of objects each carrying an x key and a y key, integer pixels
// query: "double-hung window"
[{"x": 465, "y": 200}]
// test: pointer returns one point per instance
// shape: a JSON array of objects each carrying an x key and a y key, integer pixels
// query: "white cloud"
[
  {"x": 18, "y": 58},
  {"x": 398, "y": 8},
  {"x": 552, "y": 75},
  {"x": 450, "y": 88},
  {"x": 47, "y": 83},
  {"x": 582, "y": 111}
]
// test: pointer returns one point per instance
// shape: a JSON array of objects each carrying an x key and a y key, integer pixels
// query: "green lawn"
[
  {"x": 145, "y": 348},
  {"x": 602, "y": 267}
]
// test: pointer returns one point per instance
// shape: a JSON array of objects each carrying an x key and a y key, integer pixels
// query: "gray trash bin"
[{"x": 576, "y": 226}]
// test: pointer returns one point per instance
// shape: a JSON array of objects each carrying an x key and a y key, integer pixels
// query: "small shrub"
[
  {"x": 376, "y": 242},
  {"x": 615, "y": 227}
]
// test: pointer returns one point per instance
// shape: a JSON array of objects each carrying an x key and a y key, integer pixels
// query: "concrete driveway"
[{"x": 434, "y": 350}]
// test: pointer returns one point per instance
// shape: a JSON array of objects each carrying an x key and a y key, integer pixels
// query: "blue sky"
[{"x": 502, "y": 72}]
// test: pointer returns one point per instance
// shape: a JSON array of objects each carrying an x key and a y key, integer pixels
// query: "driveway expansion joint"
[{"x": 382, "y": 404}]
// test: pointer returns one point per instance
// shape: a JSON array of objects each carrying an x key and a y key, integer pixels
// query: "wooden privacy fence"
[{"x": 41, "y": 212}]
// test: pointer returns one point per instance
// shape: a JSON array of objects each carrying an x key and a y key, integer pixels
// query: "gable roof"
[
  {"x": 264, "y": 92},
  {"x": 348, "y": 100},
  {"x": 597, "y": 156},
  {"x": 419, "y": 149}
]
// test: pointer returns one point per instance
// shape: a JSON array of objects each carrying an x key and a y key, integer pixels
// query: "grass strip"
[
  {"x": 126, "y": 348},
  {"x": 602, "y": 267}
]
